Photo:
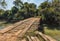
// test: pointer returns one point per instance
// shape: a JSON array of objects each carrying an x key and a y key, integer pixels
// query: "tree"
[
  {"x": 12, "y": 13},
  {"x": 3, "y": 3},
  {"x": 50, "y": 13},
  {"x": 18, "y": 3},
  {"x": 44, "y": 5},
  {"x": 32, "y": 9},
  {"x": 29, "y": 9},
  {"x": 1, "y": 14}
]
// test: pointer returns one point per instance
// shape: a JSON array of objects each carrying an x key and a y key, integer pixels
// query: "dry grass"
[{"x": 53, "y": 33}]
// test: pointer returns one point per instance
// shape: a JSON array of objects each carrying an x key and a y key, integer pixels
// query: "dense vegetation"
[{"x": 48, "y": 10}]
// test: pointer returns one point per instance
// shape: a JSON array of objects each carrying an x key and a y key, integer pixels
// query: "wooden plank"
[
  {"x": 42, "y": 35},
  {"x": 37, "y": 39},
  {"x": 23, "y": 39},
  {"x": 45, "y": 37},
  {"x": 29, "y": 38},
  {"x": 33, "y": 38},
  {"x": 50, "y": 38}
]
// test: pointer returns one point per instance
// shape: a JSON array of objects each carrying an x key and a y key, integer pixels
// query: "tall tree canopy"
[{"x": 48, "y": 10}]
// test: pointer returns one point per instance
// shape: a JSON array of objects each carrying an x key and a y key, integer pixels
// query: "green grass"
[{"x": 53, "y": 33}]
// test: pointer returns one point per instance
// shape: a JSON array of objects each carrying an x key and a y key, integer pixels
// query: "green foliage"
[
  {"x": 18, "y": 3},
  {"x": 49, "y": 11}
]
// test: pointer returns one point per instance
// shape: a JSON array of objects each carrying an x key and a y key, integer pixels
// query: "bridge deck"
[{"x": 19, "y": 29}]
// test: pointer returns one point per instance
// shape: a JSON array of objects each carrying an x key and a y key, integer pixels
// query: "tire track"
[
  {"x": 18, "y": 28},
  {"x": 26, "y": 29}
]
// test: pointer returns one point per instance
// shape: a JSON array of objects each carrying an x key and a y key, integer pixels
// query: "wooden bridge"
[{"x": 25, "y": 30}]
